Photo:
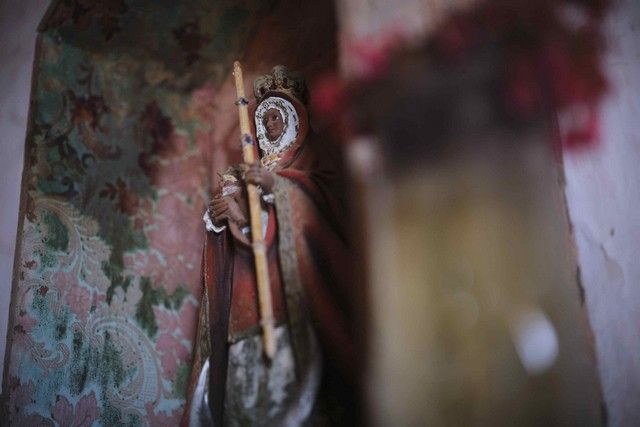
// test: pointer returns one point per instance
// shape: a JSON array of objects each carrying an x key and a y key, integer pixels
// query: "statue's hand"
[
  {"x": 227, "y": 208},
  {"x": 217, "y": 193},
  {"x": 256, "y": 174}
]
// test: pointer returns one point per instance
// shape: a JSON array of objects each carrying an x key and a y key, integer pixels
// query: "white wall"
[
  {"x": 603, "y": 194},
  {"x": 18, "y": 22}
]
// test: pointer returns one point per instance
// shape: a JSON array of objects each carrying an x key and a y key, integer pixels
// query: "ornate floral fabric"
[{"x": 117, "y": 175}]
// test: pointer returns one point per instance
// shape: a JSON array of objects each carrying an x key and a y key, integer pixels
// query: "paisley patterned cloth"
[{"x": 117, "y": 175}]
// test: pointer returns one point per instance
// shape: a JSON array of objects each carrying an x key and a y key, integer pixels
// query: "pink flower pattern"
[
  {"x": 83, "y": 414},
  {"x": 79, "y": 301},
  {"x": 176, "y": 329}
]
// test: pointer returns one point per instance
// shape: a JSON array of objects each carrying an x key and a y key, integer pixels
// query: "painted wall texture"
[
  {"x": 132, "y": 115},
  {"x": 604, "y": 201},
  {"x": 18, "y": 23}
]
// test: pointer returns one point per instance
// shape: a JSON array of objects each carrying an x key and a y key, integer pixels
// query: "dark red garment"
[{"x": 245, "y": 315}]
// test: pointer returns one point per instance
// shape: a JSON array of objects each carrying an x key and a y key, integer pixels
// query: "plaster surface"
[{"x": 604, "y": 201}]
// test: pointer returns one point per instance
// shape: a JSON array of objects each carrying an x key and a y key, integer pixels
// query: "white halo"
[{"x": 289, "y": 130}]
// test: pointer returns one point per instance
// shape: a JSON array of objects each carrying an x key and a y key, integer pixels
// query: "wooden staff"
[{"x": 255, "y": 209}]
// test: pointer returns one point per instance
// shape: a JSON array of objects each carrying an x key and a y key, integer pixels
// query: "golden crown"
[{"x": 281, "y": 80}]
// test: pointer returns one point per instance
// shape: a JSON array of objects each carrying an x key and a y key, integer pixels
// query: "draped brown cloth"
[{"x": 310, "y": 264}]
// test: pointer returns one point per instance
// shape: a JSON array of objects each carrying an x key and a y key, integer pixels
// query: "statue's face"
[{"x": 273, "y": 123}]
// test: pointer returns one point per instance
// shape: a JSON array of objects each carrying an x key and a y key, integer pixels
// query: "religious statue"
[{"x": 307, "y": 256}]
